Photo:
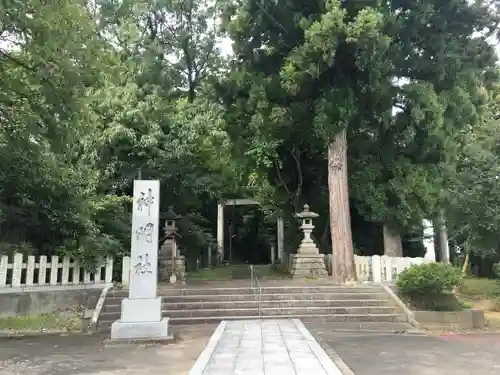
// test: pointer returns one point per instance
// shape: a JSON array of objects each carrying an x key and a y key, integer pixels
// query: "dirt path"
[{"x": 78, "y": 355}]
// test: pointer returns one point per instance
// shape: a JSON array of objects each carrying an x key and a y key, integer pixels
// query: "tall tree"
[{"x": 333, "y": 71}]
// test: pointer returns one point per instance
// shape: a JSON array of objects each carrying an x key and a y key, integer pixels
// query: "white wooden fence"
[
  {"x": 20, "y": 272},
  {"x": 25, "y": 273},
  {"x": 379, "y": 268}
]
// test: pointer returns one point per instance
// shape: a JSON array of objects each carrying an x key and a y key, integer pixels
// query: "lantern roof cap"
[
  {"x": 170, "y": 214},
  {"x": 306, "y": 213}
]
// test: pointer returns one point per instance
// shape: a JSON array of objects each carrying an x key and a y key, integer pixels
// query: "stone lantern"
[
  {"x": 171, "y": 263},
  {"x": 307, "y": 227},
  {"x": 308, "y": 262},
  {"x": 170, "y": 219}
]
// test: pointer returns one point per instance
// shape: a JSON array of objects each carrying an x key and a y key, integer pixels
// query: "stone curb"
[
  {"x": 142, "y": 342},
  {"x": 408, "y": 313},
  {"x": 92, "y": 327},
  {"x": 24, "y": 334},
  {"x": 202, "y": 361},
  {"x": 463, "y": 333}
]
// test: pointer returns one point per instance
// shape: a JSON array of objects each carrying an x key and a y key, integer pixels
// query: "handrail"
[{"x": 255, "y": 285}]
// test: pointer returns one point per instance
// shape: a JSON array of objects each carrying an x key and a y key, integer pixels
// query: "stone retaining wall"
[
  {"x": 41, "y": 302},
  {"x": 454, "y": 320}
]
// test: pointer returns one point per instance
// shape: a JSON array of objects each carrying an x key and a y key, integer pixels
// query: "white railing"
[
  {"x": 19, "y": 272},
  {"x": 256, "y": 287},
  {"x": 368, "y": 269},
  {"x": 378, "y": 268}
]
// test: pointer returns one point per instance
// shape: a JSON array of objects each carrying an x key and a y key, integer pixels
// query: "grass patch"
[
  {"x": 479, "y": 288},
  {"x": 492, "y": 319},
  {"x": 67, "y": 320},
  {"x": 482, "y": 294},
  {"x": 236, "y": 272}
]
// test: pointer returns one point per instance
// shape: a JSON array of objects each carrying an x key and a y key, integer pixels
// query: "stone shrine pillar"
[
  {"x": 141, "y": 314},
  {"x": 308, "y": 261}
]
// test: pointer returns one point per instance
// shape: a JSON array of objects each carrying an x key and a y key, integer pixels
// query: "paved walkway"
[
  {"x": 266, "y": 347},
  {"x": 389, "y": 354}
]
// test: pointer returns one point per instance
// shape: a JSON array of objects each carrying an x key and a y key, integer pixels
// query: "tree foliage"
[{"x": 95, "y": 94}]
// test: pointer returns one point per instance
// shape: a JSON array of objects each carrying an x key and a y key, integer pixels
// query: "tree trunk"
[
  {"x": 393, "y": 245},
  {"x": 442, "y": 234},
  {"x": 340, "y": 216},
  {"x": 465, "y": 266}
]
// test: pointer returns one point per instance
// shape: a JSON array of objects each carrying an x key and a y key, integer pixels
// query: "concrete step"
[
  {"x": 263, "y": 297},
  {"x": 314, "y": 318},
  {"x": 176, "y": 292},
  {"x": 277, "y": 311},
  {"x": 311, "y": 303},
  {"x": 266, "y": 311},
  {"x": 294, "y": 303},
  {"x": 251, "y": 304}
]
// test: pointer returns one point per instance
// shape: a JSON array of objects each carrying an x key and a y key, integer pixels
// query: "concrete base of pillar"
[
  {"x": 153, "y": 331},
  {"x": 308, "y": 265}
]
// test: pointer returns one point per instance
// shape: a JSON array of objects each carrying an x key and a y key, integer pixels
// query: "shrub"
[{"x": 428, "y": 285}]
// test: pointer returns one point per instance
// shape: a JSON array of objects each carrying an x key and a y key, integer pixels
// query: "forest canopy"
[{"x": 378, "y": 114}]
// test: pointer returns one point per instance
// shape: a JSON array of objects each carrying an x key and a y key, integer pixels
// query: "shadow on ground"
[
  {"x": 392, "y": 354},
  {"x": 89, "y": 355}
]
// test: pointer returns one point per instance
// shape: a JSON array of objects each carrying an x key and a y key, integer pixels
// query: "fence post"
[
  {"x": 30, "y": 270},
  {"x": 54, "y": 267},
  {"x": 76, "y": 273},
  {"x": 3, "y": 270},
  {"x": 42, "y": 270},
  {"x": 17, "y": 268},
  {"x": 65, "y": 271},
  {"x": 376, "y": 269},
  {"x": 388, "y": 261}
]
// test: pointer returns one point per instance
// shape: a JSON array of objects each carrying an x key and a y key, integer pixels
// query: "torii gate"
[{"x": 245, "y": 202}]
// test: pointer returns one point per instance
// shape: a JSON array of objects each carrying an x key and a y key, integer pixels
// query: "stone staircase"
[{"x": 342, "y": 307}]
